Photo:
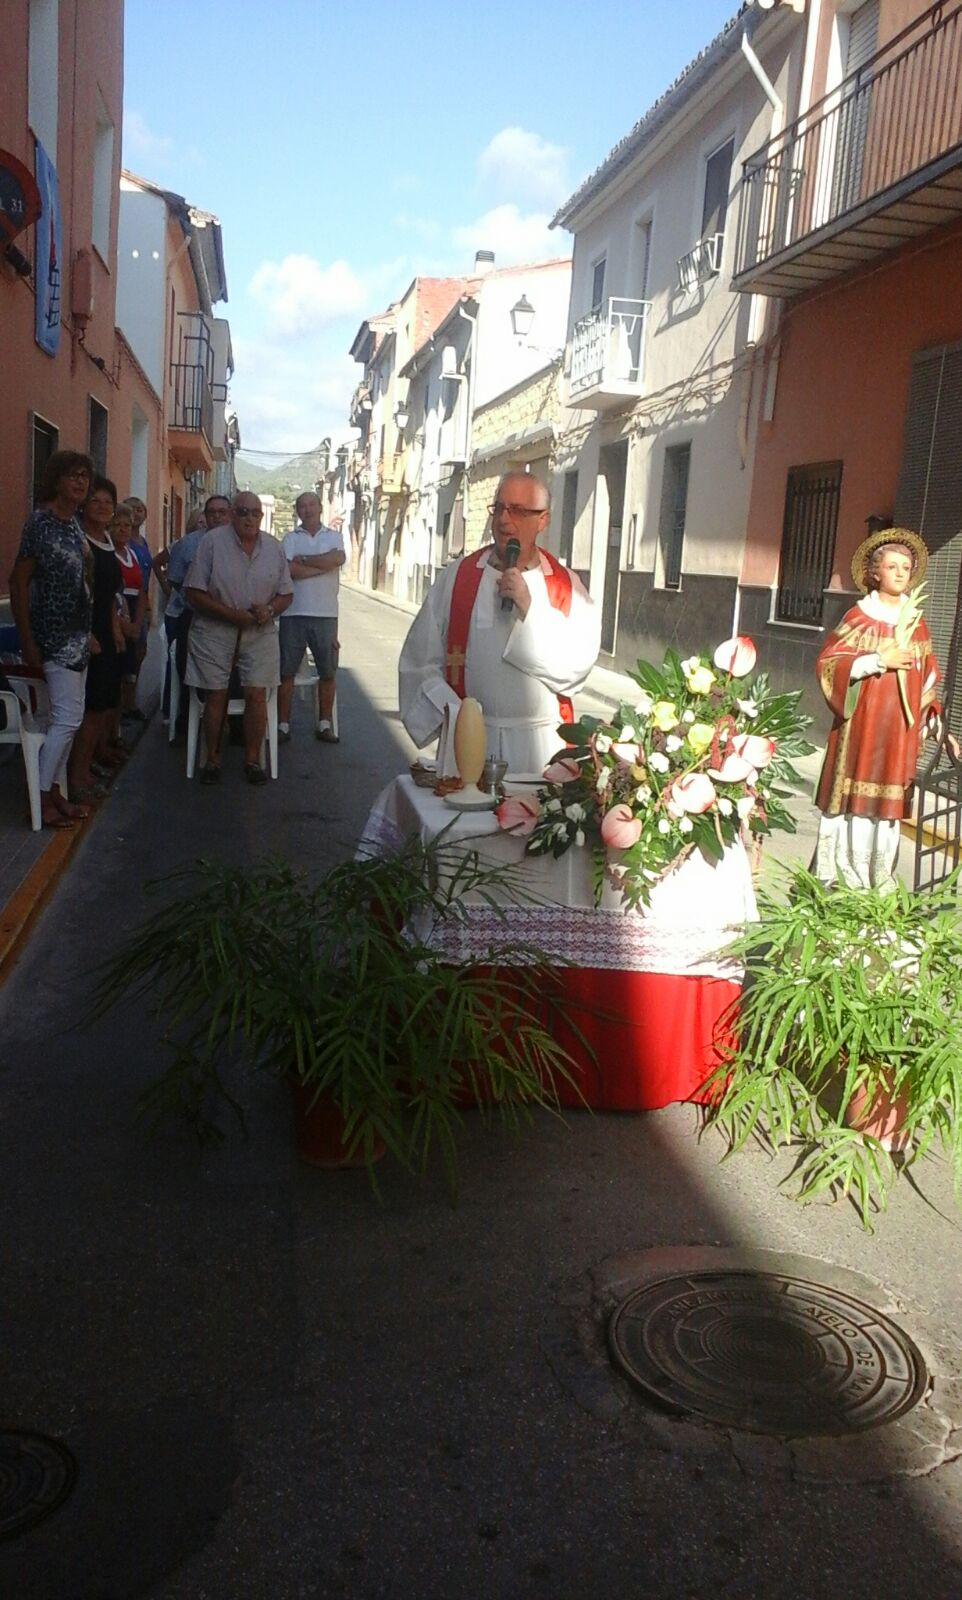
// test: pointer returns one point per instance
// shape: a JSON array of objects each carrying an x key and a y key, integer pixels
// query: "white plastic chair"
[
  {"x": 175, "y": 691},
  {"x": 235, "y": 708},
  {"x": 306, "y": 678},
  {"x": 20, "y": 729}
]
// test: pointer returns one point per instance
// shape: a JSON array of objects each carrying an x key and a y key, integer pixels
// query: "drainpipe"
[
  {"x": 469, "y": 403},
  {"x": 778, "y": 118}
]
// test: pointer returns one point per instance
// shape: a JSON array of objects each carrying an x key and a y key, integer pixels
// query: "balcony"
[
  {"x": 701, "y": 264},
  {"x": 874, "y": 164},
  {"x": 607, "y": 355},
  {"x": 390, "y": 472},
  {"x": 190, "y": 426}
]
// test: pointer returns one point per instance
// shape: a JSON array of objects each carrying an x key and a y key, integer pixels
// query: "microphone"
[{"x": 512, "y": 551}]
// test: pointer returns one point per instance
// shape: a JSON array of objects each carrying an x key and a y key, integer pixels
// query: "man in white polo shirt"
[{"x": 315, "y": 554}]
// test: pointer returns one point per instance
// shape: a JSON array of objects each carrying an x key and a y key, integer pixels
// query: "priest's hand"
[{"x": 511, "y": 586}]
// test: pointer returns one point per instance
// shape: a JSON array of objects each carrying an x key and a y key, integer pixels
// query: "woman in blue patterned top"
[{"x": 50, "y": 598}]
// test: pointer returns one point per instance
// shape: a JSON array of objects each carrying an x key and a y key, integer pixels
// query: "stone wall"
[{"x": 506, "y": 420}]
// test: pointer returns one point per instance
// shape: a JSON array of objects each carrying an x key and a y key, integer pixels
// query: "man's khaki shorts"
[{"x": 210, "y": 655}]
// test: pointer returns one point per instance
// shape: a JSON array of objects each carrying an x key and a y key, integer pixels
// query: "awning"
[{"x": 514, "y": 444}]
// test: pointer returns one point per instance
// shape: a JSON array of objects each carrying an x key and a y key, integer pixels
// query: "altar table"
[{"x": 646, "y": 990}]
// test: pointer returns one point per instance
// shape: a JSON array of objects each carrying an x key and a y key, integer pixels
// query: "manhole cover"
[
  {"x": 36, "y": 1476},
  {"x": 766, "y": 1353}
]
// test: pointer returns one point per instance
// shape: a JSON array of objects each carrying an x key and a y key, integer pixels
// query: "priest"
[{"x": 509, "y": 626}]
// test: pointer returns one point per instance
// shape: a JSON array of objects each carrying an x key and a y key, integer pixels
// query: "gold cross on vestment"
[{"x": 455, "y": 660}]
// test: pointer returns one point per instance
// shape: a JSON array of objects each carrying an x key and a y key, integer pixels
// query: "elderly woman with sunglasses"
[
  {"x": 50, "y": 596},
  {"x": 507, "y": 625}
]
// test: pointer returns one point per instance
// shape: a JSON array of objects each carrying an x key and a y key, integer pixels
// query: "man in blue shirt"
[{"x": 171, "y": 567}]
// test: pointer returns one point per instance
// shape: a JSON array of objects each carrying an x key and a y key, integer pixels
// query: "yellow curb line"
[{"x": 32, "y": 894}]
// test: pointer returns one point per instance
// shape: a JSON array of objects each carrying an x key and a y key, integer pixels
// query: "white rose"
[
  {"x": 725, "y": 806},
  {"x": 643, "y": 793},
  {"x": 657, "y": 762},
  {"x": 688, "y": 716},
  {"x": 603, "y": 779},
  {"x": 664, "y": 826},
  {"x": 575, "y": 813},
  {"x": 603, "y": 743},
  {"x": 643, "y": 705},
  {"x": 672, "y": 743},
  {"x": 685, "y": 825},
  {"x": 553, "y": 805}
]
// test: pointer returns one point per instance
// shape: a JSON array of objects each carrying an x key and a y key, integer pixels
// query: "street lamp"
[
  {"x": 522, "y": 316},
  {"x": 401, "y": 415}
]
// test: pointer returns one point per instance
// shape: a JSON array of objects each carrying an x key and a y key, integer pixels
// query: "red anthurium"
[
  {"x": 619, "y": 828},
  {"x": 736, "y": 656}
]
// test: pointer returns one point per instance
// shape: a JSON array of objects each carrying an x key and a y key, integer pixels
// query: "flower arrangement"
[{"x": 698, "y": 759}]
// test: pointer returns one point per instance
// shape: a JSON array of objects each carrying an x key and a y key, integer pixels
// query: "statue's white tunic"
[{"x": 516, "y": 667}]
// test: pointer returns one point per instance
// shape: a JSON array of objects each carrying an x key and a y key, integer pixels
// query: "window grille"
[
  {"x": 674, "y": 508},
  {"x": 808, "y": 541}
]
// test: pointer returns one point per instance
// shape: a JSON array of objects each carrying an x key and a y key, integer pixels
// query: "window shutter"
[
  {"x": 929, "y": 497},
  {"x": 862, "y": 36}
]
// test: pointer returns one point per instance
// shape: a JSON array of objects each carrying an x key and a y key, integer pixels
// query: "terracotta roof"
[
  {"x": 685, "y": 86},
  {"x": 434, "y": 299}
]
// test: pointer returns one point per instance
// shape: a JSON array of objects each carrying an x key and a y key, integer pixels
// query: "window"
[
  {"x": 718, "y": 172},
  {"x": 808, "y": 541},
  {"x": 674, "y": 508},
  {"x": 598, "y": 284},
  {"x": 569, "y": 505},
  {"x": 102, "y": 181},
  {"x": 97, "y": 434},
  {"x": 929, "y": 494},
  {"x": 45, "y": 441},
  {"x": 43, "y": 73}
]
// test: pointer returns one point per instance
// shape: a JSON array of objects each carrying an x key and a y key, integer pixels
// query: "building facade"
[
  {"x": 72, "y": 381},
  {"x": 170, "y": 275},
  {"x": 852, "y": 227},
  {"x": 654, "y": 464}
]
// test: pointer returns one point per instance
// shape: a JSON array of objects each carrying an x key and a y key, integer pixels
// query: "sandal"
[
  {"x": 210, "y": 773},
  {"x": 254, "y": 773}
]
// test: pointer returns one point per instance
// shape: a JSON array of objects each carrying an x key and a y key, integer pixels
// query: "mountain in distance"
[{"x": 283, "y": 481}]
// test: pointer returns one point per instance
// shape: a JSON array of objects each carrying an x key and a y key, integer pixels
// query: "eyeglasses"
[
  {"x": 499, "y": 508},
  {"x": 248, "y": 511}
]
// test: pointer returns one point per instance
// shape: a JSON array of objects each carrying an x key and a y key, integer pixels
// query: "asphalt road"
[{"x": 277, "y": 1388}]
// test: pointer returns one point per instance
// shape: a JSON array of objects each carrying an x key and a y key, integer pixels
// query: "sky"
[{"x": 345, "y": 148}]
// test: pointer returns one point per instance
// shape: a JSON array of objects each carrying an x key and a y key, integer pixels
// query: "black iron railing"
[
  {"x": 894, "y": 118},
  {"x": 808, "y": 541},
  {"x": 192, "y": 404}
]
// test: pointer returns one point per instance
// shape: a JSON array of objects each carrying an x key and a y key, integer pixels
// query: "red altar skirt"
[{"x": 652, "y": 1036}]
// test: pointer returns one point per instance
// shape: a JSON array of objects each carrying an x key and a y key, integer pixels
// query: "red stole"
[{"x": 467, "y": 581}]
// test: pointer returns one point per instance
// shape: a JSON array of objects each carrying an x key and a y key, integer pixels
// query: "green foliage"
[
  {"x": 847, "y": 992},
  {"x": 318, "y": 980}
]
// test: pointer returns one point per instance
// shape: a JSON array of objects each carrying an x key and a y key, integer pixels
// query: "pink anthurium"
[
  {"x": 694, "y": 792},
  {"x": 625, "y": 752},
  {"x": 736, "y": 656},
  {"x": 754, "y": 747},
  {"x": 518, "y": 812},
  {"x": 734, "y": 769},
  {"x": 619, "y": 828},
  {"x": 564, "y": 770}
]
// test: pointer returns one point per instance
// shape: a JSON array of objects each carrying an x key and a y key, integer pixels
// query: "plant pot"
[
  {"x": 319, "y": 1132},
  {"x": 874, "y": 1109}
]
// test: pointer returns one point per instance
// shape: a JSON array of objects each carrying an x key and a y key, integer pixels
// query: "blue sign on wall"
[{"x": 47, "y": 271}]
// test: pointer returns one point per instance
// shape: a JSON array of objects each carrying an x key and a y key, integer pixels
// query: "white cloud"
[
  {"x": 301, "y": 296},
  {"x": 513, "y": 235},
  {"x": 288, "y": 395},
  {"x": 520, "y": 166},
  {"x": 140, "y": 141}
]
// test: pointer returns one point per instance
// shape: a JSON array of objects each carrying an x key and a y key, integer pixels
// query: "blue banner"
[{"x": 47, "y": 273}]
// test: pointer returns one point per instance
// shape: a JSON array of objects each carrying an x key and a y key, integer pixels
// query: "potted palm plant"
[
  {"x": 337, "y": 986},
  {"x": 847, "y": 1040}
]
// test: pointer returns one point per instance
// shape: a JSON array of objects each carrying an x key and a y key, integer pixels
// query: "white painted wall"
[
  {"x": 693, "y": 338},
  {"x": 141, "y": 270},
  {"x": 504, "y": 360}
]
